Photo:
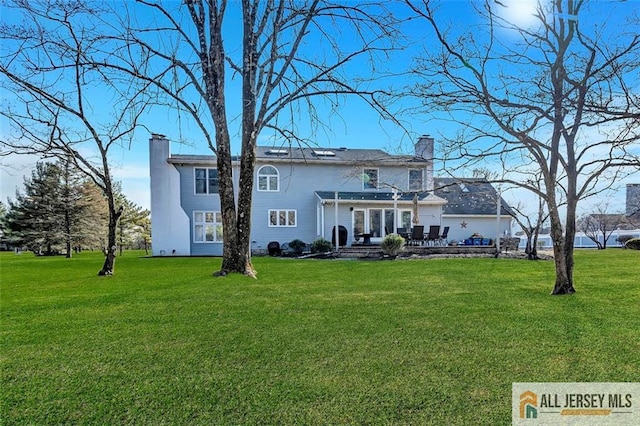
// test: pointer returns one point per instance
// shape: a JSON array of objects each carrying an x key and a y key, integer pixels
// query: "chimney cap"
[{"x": 157, "y": 136}]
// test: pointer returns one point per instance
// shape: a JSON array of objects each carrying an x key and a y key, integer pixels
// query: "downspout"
[
  {"x": 498, "y": 197},
  {"x": 336, "y": 230}
]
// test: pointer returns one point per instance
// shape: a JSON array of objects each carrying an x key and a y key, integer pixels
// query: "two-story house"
[{"x": 304, "y": 192}]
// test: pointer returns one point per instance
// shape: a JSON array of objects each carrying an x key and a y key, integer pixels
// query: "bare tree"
[
  {"x": 62, "y": 104},
  {"x": 531, "y": 226},
  {"x": 600, "y": 224},
  {"x": 531, "y": 222},
  {"x": 555, "y": 98},
  {"x": 295, "y": 62}
]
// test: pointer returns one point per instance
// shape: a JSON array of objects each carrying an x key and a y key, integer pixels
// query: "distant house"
[
  {"x": 302, "y": 193},
  {"x": 632, "y": 212},
  {"x": 617, "y": 225}
]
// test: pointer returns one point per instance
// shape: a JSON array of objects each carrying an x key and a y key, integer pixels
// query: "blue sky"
[{"x": 356, "y": 125}]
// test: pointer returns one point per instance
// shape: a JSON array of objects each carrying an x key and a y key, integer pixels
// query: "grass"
[{"x": 309, "y": 342}]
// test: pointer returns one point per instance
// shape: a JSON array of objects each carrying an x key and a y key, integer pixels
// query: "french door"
[{"x": 379, "y": 222}]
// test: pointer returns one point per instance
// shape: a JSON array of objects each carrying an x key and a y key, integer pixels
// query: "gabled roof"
[
  {"x": 324, "y": 154},
  {"x": 469, "y": 197},
  {"x": 311, "y": 155}
]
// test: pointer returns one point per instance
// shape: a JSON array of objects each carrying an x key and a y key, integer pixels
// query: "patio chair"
[
  {"x": 403, "y": 233},
  {"x": 443, "y": 238},
  {"x": 434, "y": 234},
  {"x": 417, "y": 234}
]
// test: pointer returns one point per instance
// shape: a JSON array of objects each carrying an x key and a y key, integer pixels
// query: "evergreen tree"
[
  {"x": 3, "y": 228},
  {"x": 34, "y": 219},
  {"x": 59, "y": 210}
]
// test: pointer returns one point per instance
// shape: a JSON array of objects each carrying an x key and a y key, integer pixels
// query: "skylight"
[
  {"x": 322, "y": 153},
  {"x": 278, "y": 152}
]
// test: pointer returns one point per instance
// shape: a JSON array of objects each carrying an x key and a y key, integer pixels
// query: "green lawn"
[{"x": 309, "y": 342}]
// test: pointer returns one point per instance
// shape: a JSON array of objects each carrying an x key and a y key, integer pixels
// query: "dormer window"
[{"x": 268, "y": 179}]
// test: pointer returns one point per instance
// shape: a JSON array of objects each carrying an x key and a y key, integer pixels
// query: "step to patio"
[{"x": 362, "y": 251}]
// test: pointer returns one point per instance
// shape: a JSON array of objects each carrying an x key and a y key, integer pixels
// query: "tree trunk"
[
  {"x": 110, "y": 251},
  {"x": 109, "y": 260},
  {"x": 531, "y": 248},
  {"x": 236, "y": 255},
  {"x": 250, "y": 129},
  {"x": 564, "y": 274},
  {"x": 231, "y": 253},
  {"x": 243, "y": 258},
  {"x": 532, "y": 254},
  {"x": 67, "y": 233},
  {"x": 563, "y": 250}
]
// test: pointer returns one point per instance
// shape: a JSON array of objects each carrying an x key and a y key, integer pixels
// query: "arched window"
[{"x": 268, "y": 179}]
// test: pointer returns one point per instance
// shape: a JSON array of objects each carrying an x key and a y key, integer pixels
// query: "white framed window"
[
  {"x": 206, "y": 180},
  {"x": 268, "y": 179},
  {"x": 370, "y": 179},
  {"x": 406, "y": 219},
  {"x": 283, "y": 218},
  {"x": 207, "y": 227},
  {"x": 415, "y": 179}
]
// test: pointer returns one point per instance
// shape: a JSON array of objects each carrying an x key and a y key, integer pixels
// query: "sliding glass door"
[{"x": 375, "y": 223}]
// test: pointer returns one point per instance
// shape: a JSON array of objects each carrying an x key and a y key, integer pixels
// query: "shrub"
[
  {"x": 392, "y": 244},
  {"x": 298, "y": 246},
  {"x": 321, "y": 246},
  {"x": 622, "y": 239},
  {"x": 633, "y": 244}
]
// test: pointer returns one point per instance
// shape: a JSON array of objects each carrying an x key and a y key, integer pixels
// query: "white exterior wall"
[
  {"x": 429, "y": 216},
  {"x": 483, "y": 225},
  {"x": 173, "y": 201},
  {"x": 169, "y": 223},
  {"x": 298, "y": 183}
]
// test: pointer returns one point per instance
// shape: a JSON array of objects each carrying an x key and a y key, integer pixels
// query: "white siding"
[{"x": 169, "y": 223}]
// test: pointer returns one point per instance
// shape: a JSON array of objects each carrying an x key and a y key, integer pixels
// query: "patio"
[{"x": 374, "y": 251}]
